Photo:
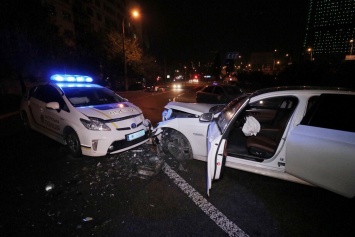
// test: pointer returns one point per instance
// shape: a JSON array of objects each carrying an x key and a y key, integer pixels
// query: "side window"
[
  {"x": 270, "y": 103},
  {"x": 332, "y": 111},
  {"x": 208, "y": 89},
  {"x": 311, "y": 101},
  {"x": 273, "y": 112},
  {"x": 48, "y": 93},
  {"x": 218, "y": 90}
]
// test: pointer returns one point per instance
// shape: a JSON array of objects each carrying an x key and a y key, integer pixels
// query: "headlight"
[
  {"x": 146, "y": 123},
  {"x": 167, "y": 114},
  {"x": 95, "y": 124}
]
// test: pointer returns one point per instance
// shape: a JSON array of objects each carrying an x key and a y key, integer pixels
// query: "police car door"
[{"x": 49, "y": 118}]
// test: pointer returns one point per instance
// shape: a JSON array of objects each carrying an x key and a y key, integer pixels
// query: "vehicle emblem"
[{"x": 133, "y": 125}]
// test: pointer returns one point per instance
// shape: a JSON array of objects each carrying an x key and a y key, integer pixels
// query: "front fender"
[{"x": 165, "y": 124}]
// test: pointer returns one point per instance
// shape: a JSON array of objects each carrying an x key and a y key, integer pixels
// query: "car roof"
[{"x": 301, "y": 88}]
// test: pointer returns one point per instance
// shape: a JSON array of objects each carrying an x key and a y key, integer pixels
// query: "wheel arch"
[
  {"x": 67, "y": 129},
  {"x": 170, "y": 130}
]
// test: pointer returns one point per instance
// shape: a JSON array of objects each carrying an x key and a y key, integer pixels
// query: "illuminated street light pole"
[
  {"x": 310, "y": 50},
  {"x": 135, "y": 14},
  {"x": 124, "y": 57},
  {"x": 352, "y": 46}
]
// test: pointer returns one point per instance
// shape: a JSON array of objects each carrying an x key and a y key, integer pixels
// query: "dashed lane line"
[{"x": 218, "y": 217}]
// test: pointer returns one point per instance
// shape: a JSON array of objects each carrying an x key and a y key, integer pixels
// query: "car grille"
[
  {"x": 118, "y": 145},
  {"x": 128, "y": 128},
  {"x": 120, "y": 119}
]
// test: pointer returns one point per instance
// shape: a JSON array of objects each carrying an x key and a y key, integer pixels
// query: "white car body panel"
[
  {"x": 195, "y": 132},
  {"x": 214, "y": 160},
  {"x": 331, "y": 167}
]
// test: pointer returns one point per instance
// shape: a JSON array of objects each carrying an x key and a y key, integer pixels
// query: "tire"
[
  {"x": 73, "y": 143},
  {"x": 175, "y": 144}
]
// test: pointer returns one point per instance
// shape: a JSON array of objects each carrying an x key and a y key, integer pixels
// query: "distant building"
[{"x": 330, "y": 29}]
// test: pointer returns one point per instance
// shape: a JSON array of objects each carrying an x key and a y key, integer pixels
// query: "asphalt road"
[{"x": 45, "y": 192}]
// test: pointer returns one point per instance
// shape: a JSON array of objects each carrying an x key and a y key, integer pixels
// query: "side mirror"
[
  {"x": 53, "y": 105},
  {"x": 206, "y": 117}
]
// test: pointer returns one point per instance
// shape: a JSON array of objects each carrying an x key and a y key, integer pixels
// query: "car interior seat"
[{"x": 265, "y": 143}]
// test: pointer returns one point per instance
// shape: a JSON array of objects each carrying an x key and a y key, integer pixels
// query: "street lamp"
[
  {"x": 352, "y": 46},
  {"x": 310, "y": 50},
  {"x": 134, "y": 14}
]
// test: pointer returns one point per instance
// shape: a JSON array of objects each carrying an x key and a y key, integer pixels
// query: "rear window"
[{"x": 332, "y": 111}]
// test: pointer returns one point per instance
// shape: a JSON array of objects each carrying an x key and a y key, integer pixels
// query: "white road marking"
[{"x": 218, "y": 217}]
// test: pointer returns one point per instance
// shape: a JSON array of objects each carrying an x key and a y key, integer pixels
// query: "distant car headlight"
[{"x": 95, "y": 124}]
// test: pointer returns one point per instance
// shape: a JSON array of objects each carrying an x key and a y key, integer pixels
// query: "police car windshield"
[{"x": 87, "y": 96}]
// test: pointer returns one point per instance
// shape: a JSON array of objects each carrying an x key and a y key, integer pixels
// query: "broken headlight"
[{"x": 167, "y": 114}]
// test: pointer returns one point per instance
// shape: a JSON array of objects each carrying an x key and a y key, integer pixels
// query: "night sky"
[{"x": 186, "y": 30}]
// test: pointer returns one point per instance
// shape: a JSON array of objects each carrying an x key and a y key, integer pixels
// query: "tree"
[{"x": 114, "y": 49}]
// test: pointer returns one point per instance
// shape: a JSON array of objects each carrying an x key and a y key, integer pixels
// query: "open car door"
[
  {"x": 216, "y": 159},
  {"x": 217, "y": 138},
  {"x": 321, "y": 150}
]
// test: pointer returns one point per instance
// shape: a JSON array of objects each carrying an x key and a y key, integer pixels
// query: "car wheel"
[
  {"x": 25, "y": 121},
  {"x": 176, "y": 144},
  {"x": 73, "y": 143}
]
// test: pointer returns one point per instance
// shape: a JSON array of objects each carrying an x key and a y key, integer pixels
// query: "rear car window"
[
  {"x": 332, "y": 111},
  {"x": 208, "y": 89}
]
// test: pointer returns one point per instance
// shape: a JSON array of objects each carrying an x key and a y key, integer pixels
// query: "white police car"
[{"x": 90, "y": 119}]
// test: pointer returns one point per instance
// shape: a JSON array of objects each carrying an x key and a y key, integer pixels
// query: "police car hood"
[{"x": 110, "y": 111}]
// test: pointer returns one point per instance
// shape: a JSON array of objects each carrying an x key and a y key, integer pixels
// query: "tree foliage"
[{"x": 114, "y": 48}]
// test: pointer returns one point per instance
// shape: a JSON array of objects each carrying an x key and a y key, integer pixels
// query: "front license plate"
[{"x": 135, "y": 135}]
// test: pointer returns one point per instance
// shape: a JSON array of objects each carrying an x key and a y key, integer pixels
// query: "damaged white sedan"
[{"x": 300, "y": 134}]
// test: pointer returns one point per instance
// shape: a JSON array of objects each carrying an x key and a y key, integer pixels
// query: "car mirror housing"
[
  {"x": 53, "y": 105},
  {"x": 206, "y": 117}
]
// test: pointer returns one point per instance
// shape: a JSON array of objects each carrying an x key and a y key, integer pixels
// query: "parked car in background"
[
  {"x": 90, "y": 119},
  {"x": 149, "y": 88},
  {"x": 300, "y": 134},
  {"x": 217, "y": 94}
]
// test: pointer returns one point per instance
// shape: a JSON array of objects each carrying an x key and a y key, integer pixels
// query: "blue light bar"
[{"x": 71, "y": 78}]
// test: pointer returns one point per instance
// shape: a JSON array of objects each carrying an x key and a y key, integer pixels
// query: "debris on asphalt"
[
  {"x": 49, "y": 186},
  {"x": 98, "y": 179},
  {"x": 88, "y": 219},
  {"x": 181, "y": 168}
]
